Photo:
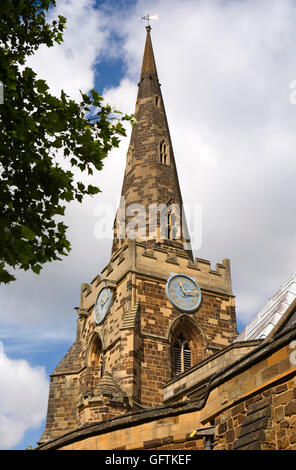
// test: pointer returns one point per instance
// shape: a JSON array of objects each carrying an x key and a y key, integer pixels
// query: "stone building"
[{"x": 157, "y": 362}]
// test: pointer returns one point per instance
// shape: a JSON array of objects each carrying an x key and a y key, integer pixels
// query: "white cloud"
[
  {"x": 23, "y": 399},
  {"x": 71, "y": 65}
]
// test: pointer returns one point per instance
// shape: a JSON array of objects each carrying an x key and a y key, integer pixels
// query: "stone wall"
[
  {"x": 151, "y": 429},
  {"x": 285, "y": 415},
  {"x": 265, "y": 421},
  {"x": 62, "y": 406}
]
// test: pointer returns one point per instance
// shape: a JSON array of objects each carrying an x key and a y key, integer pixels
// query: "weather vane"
[{"x": 148, "y": 18}]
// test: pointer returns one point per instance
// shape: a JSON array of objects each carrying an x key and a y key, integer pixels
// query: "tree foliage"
[{"x": 35, "y": 126}]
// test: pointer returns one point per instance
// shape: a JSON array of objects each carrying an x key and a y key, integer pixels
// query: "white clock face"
[
  {"x": 102, "y": 304},
  {"x": 183, "y": 292}
]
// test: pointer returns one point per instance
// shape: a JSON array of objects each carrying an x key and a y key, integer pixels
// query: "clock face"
[
  {"x": 183, "y": 292},
  {"x": 102, "y": 304}
]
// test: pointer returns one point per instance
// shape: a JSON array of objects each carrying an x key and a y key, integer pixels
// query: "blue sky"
[{"x": 225, "y": 70}]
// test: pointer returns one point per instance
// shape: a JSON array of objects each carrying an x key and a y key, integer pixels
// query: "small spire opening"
[{"x": 163, "y": 153}]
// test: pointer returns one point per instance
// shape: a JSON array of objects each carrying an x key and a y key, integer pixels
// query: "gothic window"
[
  {"x": 156, "y": 100},
  {"x": 187, "y": 344},
  {"x": 163, "y": 153},
  {"x": 96, "y": 357},
  {"x": 173, "y": 222},
  {"x": 169, "y": 225},
  {"x": 118, "y": 228},
  {"x": 181, "y": 355}
]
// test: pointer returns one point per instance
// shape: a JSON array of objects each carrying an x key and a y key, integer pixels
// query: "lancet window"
[
  {"x": 181, "y": 355},
  {"x": 163, "y": 153}
]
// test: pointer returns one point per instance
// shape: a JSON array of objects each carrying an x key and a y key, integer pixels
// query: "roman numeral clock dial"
[{"x": 183, "y": 292}]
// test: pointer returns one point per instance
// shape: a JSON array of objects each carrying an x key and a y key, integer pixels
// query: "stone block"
[
  {"x": 290, "y": 408},
  {"x": 279, "y": 413}
]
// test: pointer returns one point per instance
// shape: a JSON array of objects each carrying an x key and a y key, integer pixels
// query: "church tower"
[{"x": 153, "y": 312}]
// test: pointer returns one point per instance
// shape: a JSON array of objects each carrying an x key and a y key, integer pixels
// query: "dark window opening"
[{"x": 181, "y": 356}]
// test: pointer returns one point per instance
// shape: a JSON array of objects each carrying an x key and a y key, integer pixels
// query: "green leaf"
[
  {"x": 27, "y": 233},
  {"x": 36, "y": 268},
  {"x": 41, "y": 86}
]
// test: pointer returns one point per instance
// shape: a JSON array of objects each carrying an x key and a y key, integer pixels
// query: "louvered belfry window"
[
  {"x": 186, "y": 357},
  {"x": 181, "y": 356},
  {"x": 177, "y": 359}
]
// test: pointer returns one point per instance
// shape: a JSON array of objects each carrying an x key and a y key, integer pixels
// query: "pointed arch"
[
  {"x": 164, "y": 154},
  {"x": 188, "y": 344},
  {"x": 174, "y": 221},
  {"x": 95, "y": 362},
  {"x": 95, "y": 351}
]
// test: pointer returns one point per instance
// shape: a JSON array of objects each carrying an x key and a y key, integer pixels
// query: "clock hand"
[
  {"x": 194, "y": 292},
  {"x": 184, "y": 292},
  {"x": 181, "y": 285},
  {"x": 102, "y": 302}
]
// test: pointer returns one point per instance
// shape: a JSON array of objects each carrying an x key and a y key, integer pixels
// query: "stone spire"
[
  {"x": 148, "y": 64},
  {"x": 150, "y": 176}
]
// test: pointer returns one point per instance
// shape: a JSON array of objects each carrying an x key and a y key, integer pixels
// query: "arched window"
[
  {"x": 174, "y": 222},
  {"x": 163, "y": 153},
  {"x": 181, "y": 355},
  {"x": 96, "y": 358},
  {"x": 188, "y": 344}
]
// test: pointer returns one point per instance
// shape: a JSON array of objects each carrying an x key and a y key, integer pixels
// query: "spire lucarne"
[{"x": 150, "y": 178}]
